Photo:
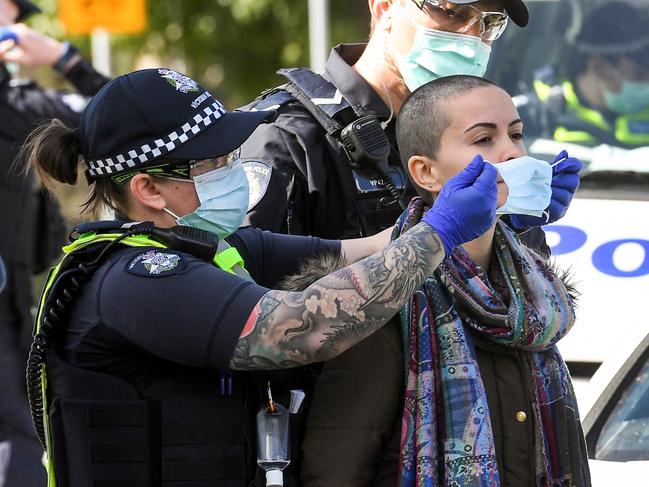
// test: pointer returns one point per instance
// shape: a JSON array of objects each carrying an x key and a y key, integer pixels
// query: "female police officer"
[{"x": 141, "y": 323}]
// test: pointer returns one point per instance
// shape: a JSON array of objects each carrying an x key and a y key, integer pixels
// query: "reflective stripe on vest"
[
  {"x": 623, "y": 130},
  {"x": 227, "y": 258}
]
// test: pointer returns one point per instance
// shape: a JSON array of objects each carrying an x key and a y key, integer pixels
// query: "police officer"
[
  {"x": 314, "y": 172},
  {"x": 144, "y": 321},
  {"x": 32, "y": 230},
  {"x": 303, "y": 180},
  {"x": 604, "y": 97}
]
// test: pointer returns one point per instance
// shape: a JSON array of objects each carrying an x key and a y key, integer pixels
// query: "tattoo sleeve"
[{"x": 289, "y": 329}]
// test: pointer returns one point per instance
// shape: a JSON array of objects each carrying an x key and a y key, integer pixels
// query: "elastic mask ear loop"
[
  {"x": 387, "y": 94},
  {"x": 558, "y": 162},
  {"x": 173, "y": 215},
  {"x": 547, "y": 213}
]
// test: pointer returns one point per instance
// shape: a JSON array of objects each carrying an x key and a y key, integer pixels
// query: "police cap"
[
  {"x": 615, "y": 29},
  {"x": 151, "y": 114},
  {"x": 516, "y": 9},
  {"x": 25, "y": 9}
]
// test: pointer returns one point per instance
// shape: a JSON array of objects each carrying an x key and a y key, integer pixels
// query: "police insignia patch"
[
  {"x": 258, "y": 174},
  {"x": 154, "y": 263},
  {"x": 179, "y": 81}
]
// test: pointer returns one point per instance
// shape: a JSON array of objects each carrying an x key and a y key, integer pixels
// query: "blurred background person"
[
  {"x": 31, "y": 227},
  {"x": 602, "y": 94}
]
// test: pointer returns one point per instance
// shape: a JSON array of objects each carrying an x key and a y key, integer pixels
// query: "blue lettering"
[
  {"x": 603, "y": 259},
  {"x": 570, "y": 238}
]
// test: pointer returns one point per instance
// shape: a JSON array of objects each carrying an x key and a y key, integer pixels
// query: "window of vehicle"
[{"x": 625, "y": 434}]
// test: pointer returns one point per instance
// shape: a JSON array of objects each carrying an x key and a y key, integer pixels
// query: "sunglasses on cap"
[
  {"x": 184, "y": 171},
  {"x": 460, "y": 18}
]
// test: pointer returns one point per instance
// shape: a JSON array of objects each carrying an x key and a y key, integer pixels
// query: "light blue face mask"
[
  {"x": 223, "y": 197},
  {"x": 633, "y": 97},
  {"x": 529, "y": 182},
  {"x": 436, "y": 54}
]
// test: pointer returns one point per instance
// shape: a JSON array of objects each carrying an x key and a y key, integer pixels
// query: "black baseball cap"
[
  {"x": 25, "y": 9},
  {"x": 144, "y": 116},
  {"x": 516, "y": 9}
]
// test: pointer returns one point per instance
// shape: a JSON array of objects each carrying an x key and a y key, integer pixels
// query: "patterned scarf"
[{"x": 447, "y": 438}]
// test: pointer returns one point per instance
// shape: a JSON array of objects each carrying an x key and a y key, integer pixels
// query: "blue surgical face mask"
[
  {"x": 529, "y": 182},
  {"x": 436, "y": 54},
  {"x": 633, "y": 97},
  {"x": 223, "y": 197}
]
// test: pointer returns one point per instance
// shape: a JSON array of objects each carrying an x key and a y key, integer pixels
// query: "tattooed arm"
[
  {"x": 357, "y": 248},
  {"x": 288, "y": 329}
]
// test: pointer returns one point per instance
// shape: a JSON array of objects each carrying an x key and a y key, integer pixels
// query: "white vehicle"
[{"x": 616, "y": 421}]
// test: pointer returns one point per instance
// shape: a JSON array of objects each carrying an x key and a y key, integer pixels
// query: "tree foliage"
[{"x": 233, "y": 47}]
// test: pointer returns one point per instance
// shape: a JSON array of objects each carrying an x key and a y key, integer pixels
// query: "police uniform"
[
  {"x": 32, "y": 232},
  {"x": 301, "y": 180},
  {"x": 568, "y": 119},
  {"x": 135, "y": 322},
  {"x": 138, "y": 387}
]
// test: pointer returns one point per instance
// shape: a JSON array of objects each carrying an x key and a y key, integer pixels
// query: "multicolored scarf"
[{"x": 447, "y": 438}]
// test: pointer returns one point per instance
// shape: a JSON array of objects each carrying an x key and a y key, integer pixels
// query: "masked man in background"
[{"x": 604, "y": 97}]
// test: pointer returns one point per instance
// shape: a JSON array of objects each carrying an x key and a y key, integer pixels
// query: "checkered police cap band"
[{"x": 159, "y": 147}]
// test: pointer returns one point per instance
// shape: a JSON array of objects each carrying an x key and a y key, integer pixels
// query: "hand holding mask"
[{"x": 563, "y": 182}]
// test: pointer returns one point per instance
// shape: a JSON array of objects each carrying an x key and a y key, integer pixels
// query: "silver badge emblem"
[
  {"x": 258, "y": 174},
  {"x": 157, "y": 262},
  {"x": 182, "y": 83}
]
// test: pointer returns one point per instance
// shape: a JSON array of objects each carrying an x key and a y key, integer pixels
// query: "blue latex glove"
[
  {"x": 6, "y": 34},
  {"x": 565, "y": 181},
  {"x": 466, "y": 206}
]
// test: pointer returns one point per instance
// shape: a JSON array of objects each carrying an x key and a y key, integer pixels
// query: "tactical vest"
[
  {"x": 630, "y": 130},
  {"x": 100, "y": 431},
  {"x": 332, "y": 111}
]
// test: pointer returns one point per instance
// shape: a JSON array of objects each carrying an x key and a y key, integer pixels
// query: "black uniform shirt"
[
  {"x": 300, "y": 183},
  {"x": 145, "y": 306}
]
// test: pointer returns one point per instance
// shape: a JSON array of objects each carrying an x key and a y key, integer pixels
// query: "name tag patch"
[{"x": 365, "y": 184}]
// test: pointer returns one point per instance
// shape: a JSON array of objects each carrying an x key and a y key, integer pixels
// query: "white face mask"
[
  {"x": 529, "y": 182},
  {"x": 223, "y": 196}
]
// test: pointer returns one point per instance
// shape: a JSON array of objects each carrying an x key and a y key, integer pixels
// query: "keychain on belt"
[{"x": 272, "y": 441}]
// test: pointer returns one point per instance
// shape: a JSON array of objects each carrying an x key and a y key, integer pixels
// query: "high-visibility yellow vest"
[{"x": 627, "y": 129}]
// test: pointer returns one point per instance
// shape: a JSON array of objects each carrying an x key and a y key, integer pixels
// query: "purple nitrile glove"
[
  {"x": 565, "y": 181},
  {"x": 466, "y": 206},
  {"x": 6, "y": 34}
]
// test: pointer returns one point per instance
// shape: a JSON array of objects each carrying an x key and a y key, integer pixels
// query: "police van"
[{"x": 604, "y": 238}]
